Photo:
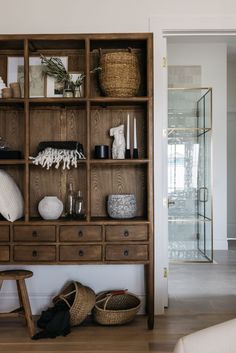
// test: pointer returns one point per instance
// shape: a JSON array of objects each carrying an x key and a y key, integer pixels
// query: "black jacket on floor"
[{"x": 54, "y": 321}]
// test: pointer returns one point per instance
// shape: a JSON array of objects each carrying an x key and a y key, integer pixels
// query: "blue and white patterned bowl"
[{"x": 121, "y": 206}]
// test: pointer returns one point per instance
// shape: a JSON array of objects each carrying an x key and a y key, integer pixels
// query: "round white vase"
[{"x": 50, "y": 207}]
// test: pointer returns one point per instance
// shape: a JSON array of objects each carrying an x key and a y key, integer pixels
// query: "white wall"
[
  {"x": 213, "y": 61},
  {"x": 74, "y": 16},
  {"x": 231, "y": 143}
]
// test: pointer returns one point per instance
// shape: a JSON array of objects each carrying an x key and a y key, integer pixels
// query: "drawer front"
[
  {"x": 34, "y": 253},
  {"x": 80, "y": 233},
  {"x": 126, "y": 233},
  {"x": 127, "y": 252},
  {"x": 4, "y": 253},
  {"x": 34, "y": 233},
  {"x": 4, "y": 233},
  {"x": 80, "y": 253}
]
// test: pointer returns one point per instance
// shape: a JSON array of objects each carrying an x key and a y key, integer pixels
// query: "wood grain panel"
[
  {"x": 76, "y": 126},
  {"x": 117, "y": 180},
  {"x": 103, "y": 119},
  {"x": 12, "y": 127},
  {"x": 30, "y": 253},
  {"x": 126, "y": 233},
  {"x": 127, "y": 252},
  {"x": 34, "y": 233},
  {"x": 3, "y": 68},
  {"x": 80, "y": 252},
  {"x": 80, "y": 233},
  {"x": 4, "y": 253},
  {"x": 4, "y": 233}
]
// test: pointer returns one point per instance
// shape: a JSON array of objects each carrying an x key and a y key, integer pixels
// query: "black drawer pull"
[
  {"x": 81, "y": 253},
  {"x": 34, "y": 253},
  {"x": 126, "y": 252},
  {"x": 34, "y": 233},
  {"x": 126, "y": 233},
  {"x": 80, "y": 233}
]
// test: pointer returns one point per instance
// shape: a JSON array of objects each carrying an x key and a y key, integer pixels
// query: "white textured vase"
[{"x": 50, "y": 207}]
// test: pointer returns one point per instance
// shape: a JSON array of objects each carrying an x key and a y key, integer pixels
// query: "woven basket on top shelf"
[
  {"x": 80, "y": 299},
  {"x": 115, "y": 307},
  {"x": 119, "y": 76}
]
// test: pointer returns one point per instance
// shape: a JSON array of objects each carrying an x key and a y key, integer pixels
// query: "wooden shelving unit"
[{"x": 25, "y": 122}]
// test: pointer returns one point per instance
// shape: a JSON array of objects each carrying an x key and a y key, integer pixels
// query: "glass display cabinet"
[{"x": 189, "y": 174}]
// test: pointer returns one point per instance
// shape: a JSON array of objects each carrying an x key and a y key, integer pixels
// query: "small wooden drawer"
[
  {"x": 80, "y": 252},
  {"x": 34, "y": 253},
  {"x": 4, "y": 253},
  {"x": 80, "y": 233},
  {"x": 126, "y": 233},
  {"x": 127, "y": 252},
  {"x": 34, "y": 233},
  {"x": 4, "y": 233}
]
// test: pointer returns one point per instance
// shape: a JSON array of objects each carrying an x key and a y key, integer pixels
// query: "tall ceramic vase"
[{"x": 50, "y": 207}]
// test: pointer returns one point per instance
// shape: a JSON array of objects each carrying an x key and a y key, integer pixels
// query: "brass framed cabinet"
[{"x": 41, "y": 113}]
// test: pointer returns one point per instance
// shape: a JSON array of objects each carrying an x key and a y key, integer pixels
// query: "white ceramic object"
[
  {"x": 118, "y": 146},
  {"x": 121, "y": 206},
  {"x": 2, "y": 85},
  {"x": 50, "y": 207}
]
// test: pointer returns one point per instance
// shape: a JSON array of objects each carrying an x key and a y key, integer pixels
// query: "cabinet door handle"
[
  {"x": 126, "y": 233},
  {"x": 126, "y": 252},
  {"x": 34, "y": 253},
  {"x": 34, "y": 233},
  {"x": 80, "y": 234},
  {"x": 81, "y": 253}
]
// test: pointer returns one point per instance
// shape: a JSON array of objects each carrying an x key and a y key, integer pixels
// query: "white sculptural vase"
[{"x": 50, "y": 207}]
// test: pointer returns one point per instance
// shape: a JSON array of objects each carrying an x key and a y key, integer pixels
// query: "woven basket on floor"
[
  {"x": 80, "y": 299},
  {"x": 120, "y": 76},
  {"x": 115, "y": 307}
]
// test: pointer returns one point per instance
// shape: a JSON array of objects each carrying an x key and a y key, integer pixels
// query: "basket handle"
[
  {"x": 63, "y": 297},
  {"x": 110, "y": 295}
]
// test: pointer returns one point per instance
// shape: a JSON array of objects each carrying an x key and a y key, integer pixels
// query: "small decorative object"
[
  {"x": 50, "y": 207},
  {"x": 70, "y": 201},
  {"x": 120, "y": 76},
  {"x": 118, "y": 147},
  {"x": 101, "y": 152},
  {"x": 16, "y": 91},
  {"x": 56, "y": 152},
  {"x": 135, "y": 150},
  {"x": 79, "y": 209},
  {"x": 7, "y": 92},
  {"x": 2, "y": 85},
  {"x": 121, "y": 206},
  {"x": 127, "y": 151}
]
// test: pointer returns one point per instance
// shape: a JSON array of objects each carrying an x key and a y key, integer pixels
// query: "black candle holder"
[
  {"x": 127, "y": 154},
  {"x": 135, "y": 153}
]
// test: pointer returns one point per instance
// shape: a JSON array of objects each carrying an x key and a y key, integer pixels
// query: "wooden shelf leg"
[
  {"x": 149, "y": 277},
  {"x": 26, "y": 305}
]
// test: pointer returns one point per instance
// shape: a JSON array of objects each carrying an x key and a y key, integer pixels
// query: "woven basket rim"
[{"x": 119, "y": 310}]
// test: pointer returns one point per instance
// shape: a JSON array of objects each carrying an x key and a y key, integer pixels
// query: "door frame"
[{"x": 162, "y": 28}]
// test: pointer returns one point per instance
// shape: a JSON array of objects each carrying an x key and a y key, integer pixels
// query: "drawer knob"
[
  {"x": 34, "y": 253},
  {"x": 126, "y": 252},
  {"x": 81, "y": 253},
  {"x": 126, "y": 233},
  {"x": 80, "y": 233},
  {"x": 34, "y": 233}
]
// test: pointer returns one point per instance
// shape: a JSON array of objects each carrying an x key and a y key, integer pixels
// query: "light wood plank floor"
[{"x": 200, "y": 296}]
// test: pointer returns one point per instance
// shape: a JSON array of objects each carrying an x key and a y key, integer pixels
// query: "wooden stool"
[{"x": 24, "y": 309}]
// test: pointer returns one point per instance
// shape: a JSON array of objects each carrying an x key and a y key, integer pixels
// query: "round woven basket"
[
  {"x": 80, "y": 299},
  {"x": 115, "y": 308},
  {"x": 119, "y": 75}
]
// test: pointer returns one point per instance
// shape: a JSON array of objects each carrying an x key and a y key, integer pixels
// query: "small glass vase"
[{"x": 79, "y": 209}]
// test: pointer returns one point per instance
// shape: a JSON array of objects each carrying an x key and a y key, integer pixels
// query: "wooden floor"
[{"x": 192, "y": 307}]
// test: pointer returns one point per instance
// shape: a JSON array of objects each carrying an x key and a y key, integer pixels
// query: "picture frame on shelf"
[
  {"x": 15, "y": 73},
  {"x": 79, "y": 91},
  {"x": 53, "y": 87}
]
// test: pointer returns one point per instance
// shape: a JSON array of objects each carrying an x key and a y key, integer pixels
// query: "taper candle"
[
  {"x": 128, "y": 135},
  {"x": 135, "y": 134}
]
